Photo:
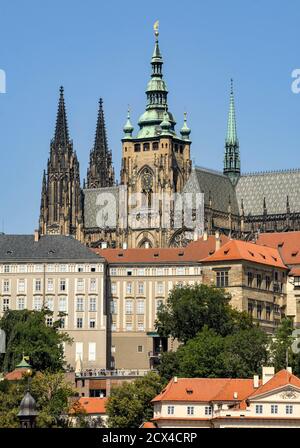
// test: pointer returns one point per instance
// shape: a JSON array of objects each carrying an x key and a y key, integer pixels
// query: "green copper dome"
[
  {"x": 185, "y": 130},
  {"x": 128, "y": 128}
]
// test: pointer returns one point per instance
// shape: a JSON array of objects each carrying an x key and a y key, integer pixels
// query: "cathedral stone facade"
[{"x": 156, "y": 164}]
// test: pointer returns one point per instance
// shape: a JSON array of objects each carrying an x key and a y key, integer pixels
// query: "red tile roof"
[
  {"x": 295, "y": 271},
  {"x": 16, "y": 374},
  {"x": 236, "y": 250},
  {"x": 280, "y": 379},
  {"x": 206, "y": 389},
  {"x": 93, "y": 405},
  {"x": 288, "y": 244},
  {"x": 195, "y": 251},
  {"x": 148, "y": 425}
]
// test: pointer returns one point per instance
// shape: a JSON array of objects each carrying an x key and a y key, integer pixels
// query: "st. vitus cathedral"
[{"x": 156, "y": 163}]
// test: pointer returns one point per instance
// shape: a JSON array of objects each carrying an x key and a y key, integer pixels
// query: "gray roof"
[
  {"x": 275, "y": 186},
  {"x": 215, "y": 184},
  {"x": 48, "y": 248},
  {"x": 101, "y": 207}
]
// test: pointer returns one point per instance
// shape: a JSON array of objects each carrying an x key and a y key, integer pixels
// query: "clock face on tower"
[{"x": 147, "y": 181}]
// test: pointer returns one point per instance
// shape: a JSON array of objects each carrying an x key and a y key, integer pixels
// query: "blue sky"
[{"x": 97, "y": 48}]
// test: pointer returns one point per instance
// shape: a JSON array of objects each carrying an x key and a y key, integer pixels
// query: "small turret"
[
  {"x": 128, "y": 128},
  {"x": 185, "y": 130}
]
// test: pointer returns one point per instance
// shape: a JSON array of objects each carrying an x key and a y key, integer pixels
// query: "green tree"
[
  {"x": 209, "y": 354},
  {"x": 189, "y": 308},
  {"x": 130, "y": 404},
  {"x": 281, "y": 346},
  {"x": 27, "y": 332},
  {"x": 52, "y": 394}
]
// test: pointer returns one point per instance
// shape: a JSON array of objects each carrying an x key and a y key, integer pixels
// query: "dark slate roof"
[
  {"x": 275, "y": 186},
  {"x": 215, "y": 184},
  {"x": 95, "y": 215},
  {"x": 48, "y": 248}
]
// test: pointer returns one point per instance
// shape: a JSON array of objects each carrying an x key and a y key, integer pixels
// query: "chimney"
[
  {"x": 255, "y": 381},
  {"x": 289, "y": 369},
  {"x": 205, "y": 236},
  {"x": 104, "y": 245},
  {"x": 101, "y": 395},
  {"x": 218, "y": 240},
  {"x": 267, "y": 374},
  {"x": 175, "y": 379},
  {"x": 235, "y": 395},
  {"x": 124, "y": 245},
  {"x": 36, "y": 236}
]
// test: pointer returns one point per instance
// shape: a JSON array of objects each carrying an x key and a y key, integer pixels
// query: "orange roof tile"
[
  {"x": 288, "y": 244},
  {"x": 280, "y": 379},
  {"x": 16, "y": 374},
  {"x": 148, "y": 425},
  {"x": 195, "y": 251},
  {"x": 241, "y": 250},
  {"x": 93, "y": 405},
  {"x": 206, "y": 389},
  {"x": 295, "y": 271}
]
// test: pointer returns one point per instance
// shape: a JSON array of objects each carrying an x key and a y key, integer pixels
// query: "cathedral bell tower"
[
  {"x": 61, "y": 202},
  {"x": 155, "y": 163}
]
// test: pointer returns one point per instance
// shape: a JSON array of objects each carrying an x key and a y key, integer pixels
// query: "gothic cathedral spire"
[
  {"x": 61, "y": 202},
  {"x": 232, "y": 166},
  {"x": 100, "y": 172}
]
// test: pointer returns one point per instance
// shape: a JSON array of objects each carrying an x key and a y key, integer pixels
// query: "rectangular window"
[
  {"x": 140, "y": 348},
  {"x": 38, "y": 285},
  {"x": 159, "y": 288},
  {"x": 62, "y": 285},
  {"x": 140, "y": 307},
  {"x": 49, "y": 303},
  {"x": 159, "y": 304},
  {"x": 114, "y": 288},
  {"x": 274, "y": 409},
  {"x": 129, "y": 288},
  {"x": 128, "y": 326},
  {"x": 49, "y": 321},
  {"x": 21, "y": 303},
  {"x": 190, "y": 410},
  {"x": 268, "y": 312},
  {"x": 259, "y": 409},
  {"x": 62, "y": 322},
  {"x": 170, "y": 410},
  {"x": 93, "y": 304},
  {"x": 79, "y": 268},
  {"x": 141, "y": 271},
  {"x": 250, "y": 308},
  {"x": 79, "y": 351},
  {"x": 208, "y": 410},
  {"x": 92, "y": 323},
  {"x": 258, "y": 281},
  {"x": 62, "y": 304},
  {"x": 141, "y": 288},
  {"x": 113, "y": 326},
  {"x": 141, "y": 326},
  {"x": 93, "y": 284},
  {"x": 79, "y": 323},
  {"x": 6, "y": 286},
  {"x": 6, "y": 268},
  {"x": 113, "y": 271},
  {"x": 21, "y": 286},
  {"x": 128, "y": 307},
  {"x": 5, "y": 305},
  {"x": 62, "y": 268},
  {"x": 222, "y": 279},
  {"x": 180, "y": 271},
  {"x": 155, "y": 146},
  {"x": 92, "y": 351},
  {"x": 79, "y": 304},
  {"x": 288, "y": 409},
  {"x": 268, "y": 282},
  {"x": 22, "y": 268},
  {"x": 37, "y": 303},
  {"x": 50, "y": 285},
  {"x": 80, "y": 284},
  {"x": 250, "y": 279},
  {"x": 113, "y": 306},
  {"x": 259, "y": 310}
]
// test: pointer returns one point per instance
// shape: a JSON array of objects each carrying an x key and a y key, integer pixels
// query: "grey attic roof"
[
  {"x": 217, "y": 185},
  {"x": 48, "y": 248},
  {"x": 275, "y": 186}
]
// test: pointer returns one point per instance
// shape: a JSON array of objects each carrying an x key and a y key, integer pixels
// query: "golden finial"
[{"x": 156, "y": 27}]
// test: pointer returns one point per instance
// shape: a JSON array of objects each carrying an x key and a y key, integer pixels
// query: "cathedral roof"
[
  {"x": 214, "y": 185},
  {"x": 48, "y": 248},
  {"x": 274, "y": 186}
]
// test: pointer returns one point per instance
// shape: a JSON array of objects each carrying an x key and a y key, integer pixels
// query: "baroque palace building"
[{"x": 156, "y": 163}]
